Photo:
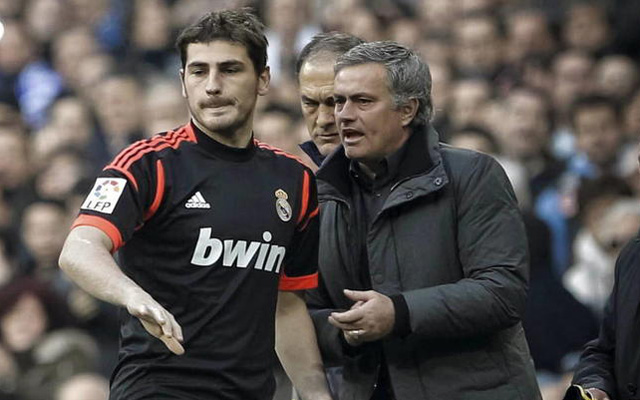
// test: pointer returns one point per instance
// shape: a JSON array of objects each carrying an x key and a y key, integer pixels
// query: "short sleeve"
[
  {"x": 123, "y": 197},
  {"x": 301, "y": 261}
]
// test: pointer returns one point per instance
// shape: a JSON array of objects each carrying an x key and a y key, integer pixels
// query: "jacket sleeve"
[
  {"x": 492, "y": 250},
  {"x": 321, "y": 303},
  {"x": 329, "y": 342},
  {"x": 596, "y": 366}
]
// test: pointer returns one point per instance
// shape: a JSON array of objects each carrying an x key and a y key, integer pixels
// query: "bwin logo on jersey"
[{"x": 238, "y": 253}]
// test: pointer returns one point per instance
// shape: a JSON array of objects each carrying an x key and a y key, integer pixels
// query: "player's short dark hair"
[
  {"x": 238, "y": 26},
  {"x": 336, "y": 43},
  {"x": 591, "y": 101}
]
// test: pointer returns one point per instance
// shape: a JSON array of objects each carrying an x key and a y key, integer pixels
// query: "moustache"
[{"x": 218, "y": 102}]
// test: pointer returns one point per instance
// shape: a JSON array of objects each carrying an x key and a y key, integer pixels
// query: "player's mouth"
[{"x": 220, "y": 103}]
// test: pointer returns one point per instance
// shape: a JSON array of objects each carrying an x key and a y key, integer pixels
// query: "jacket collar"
[
  {"x": 422, "y": 158},
  {"x": 312, "y": 151}
]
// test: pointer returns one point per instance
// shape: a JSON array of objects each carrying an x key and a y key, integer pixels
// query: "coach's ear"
[
  {"x": 263, "y": 81},
  {"x": 408, "y": 111}
]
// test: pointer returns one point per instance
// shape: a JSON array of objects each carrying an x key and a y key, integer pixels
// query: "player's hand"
[
  {"x": 157, "y": 321},
  {"x": 598, "y": 394},
  {"x": 370, "y": 319}
]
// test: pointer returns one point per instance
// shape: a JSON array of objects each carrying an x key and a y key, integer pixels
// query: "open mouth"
[{"x": 351, "y": 136}]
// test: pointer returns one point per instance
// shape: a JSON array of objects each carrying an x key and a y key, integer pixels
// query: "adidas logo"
[{"x": 197, "y": 201}]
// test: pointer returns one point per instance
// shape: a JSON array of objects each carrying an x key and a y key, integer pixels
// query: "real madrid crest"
[{"x": 283, "y": 208}]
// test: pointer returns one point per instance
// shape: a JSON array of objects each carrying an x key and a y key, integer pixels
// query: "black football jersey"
[{"x": 212, "y": 233}]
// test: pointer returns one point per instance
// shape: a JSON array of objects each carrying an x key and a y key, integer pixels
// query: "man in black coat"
[
  {"x": 609, "y": 367},
  {"x": 423, "y": 254}
]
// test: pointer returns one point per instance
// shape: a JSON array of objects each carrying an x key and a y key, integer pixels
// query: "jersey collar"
[{"x": 220, "y": 150}]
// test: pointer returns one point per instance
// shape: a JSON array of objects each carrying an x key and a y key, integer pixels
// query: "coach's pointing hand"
[
  {"x": 370, "y": 320},
  {"x": 157, "y": 321}
]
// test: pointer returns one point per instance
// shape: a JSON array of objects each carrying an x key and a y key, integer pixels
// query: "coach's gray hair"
[{"x": 408, "y": 76}]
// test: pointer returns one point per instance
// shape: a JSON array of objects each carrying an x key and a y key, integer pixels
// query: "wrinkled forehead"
[
  {"x": 318, "y": 67},
  {"x": 361, "y": 78}
]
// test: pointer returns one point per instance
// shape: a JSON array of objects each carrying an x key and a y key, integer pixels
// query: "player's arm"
[
  {"x": 297, "y": 347},
  {"x": 86, "y": 258},
  {"x": 296, "y": 342}
]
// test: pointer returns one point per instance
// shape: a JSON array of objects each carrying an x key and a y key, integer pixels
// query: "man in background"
[{"x": 314, "y": 68}]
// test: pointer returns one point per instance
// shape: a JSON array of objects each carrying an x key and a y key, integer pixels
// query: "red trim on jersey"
[
  {"x": 157, "y": 143},
  {"x": 278, "y": 151},
  {"x": 136, "y": 151},
  {"x": 126, "y": 173},
  {"x": 133, "y": 153},
  {"x": 311, "y": 216},
  {"x": 190, "y": 133},
  {"x": 290, "y": 283},
  {"x": 173, "y": 142},
  {"x": 159, "y": 191},
  {"x": 305, "y": 197},
  {"x": 140, "y": 144},
  {"x": 105, "y": 226}
]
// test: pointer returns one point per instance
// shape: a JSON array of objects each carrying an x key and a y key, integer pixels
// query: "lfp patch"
[{"x": 105, "y": 195}]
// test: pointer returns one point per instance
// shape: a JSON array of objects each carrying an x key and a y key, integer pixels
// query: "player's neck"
[{"x": 238, "y": 137}]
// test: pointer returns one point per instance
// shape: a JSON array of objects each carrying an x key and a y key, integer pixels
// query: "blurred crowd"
[{"x": 550, "y": 88}]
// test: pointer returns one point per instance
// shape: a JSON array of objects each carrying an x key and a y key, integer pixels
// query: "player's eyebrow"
[
  {"x": 197, "y": 64},
  {"x": 230, "y": 63}
]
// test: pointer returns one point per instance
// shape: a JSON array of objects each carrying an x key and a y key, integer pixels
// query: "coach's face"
[
  {"x": 221, "y": 86},
  {"x": 316, "y": 100},
  {"x": 371, "y": 127}
]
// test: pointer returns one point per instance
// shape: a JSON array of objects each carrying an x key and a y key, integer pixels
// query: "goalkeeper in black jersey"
[{"x": 217, "y": 237}]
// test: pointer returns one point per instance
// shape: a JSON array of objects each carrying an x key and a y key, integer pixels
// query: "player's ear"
[
  {"x": 184, "y": 90},
  {"x": 263, "y": 81}
]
